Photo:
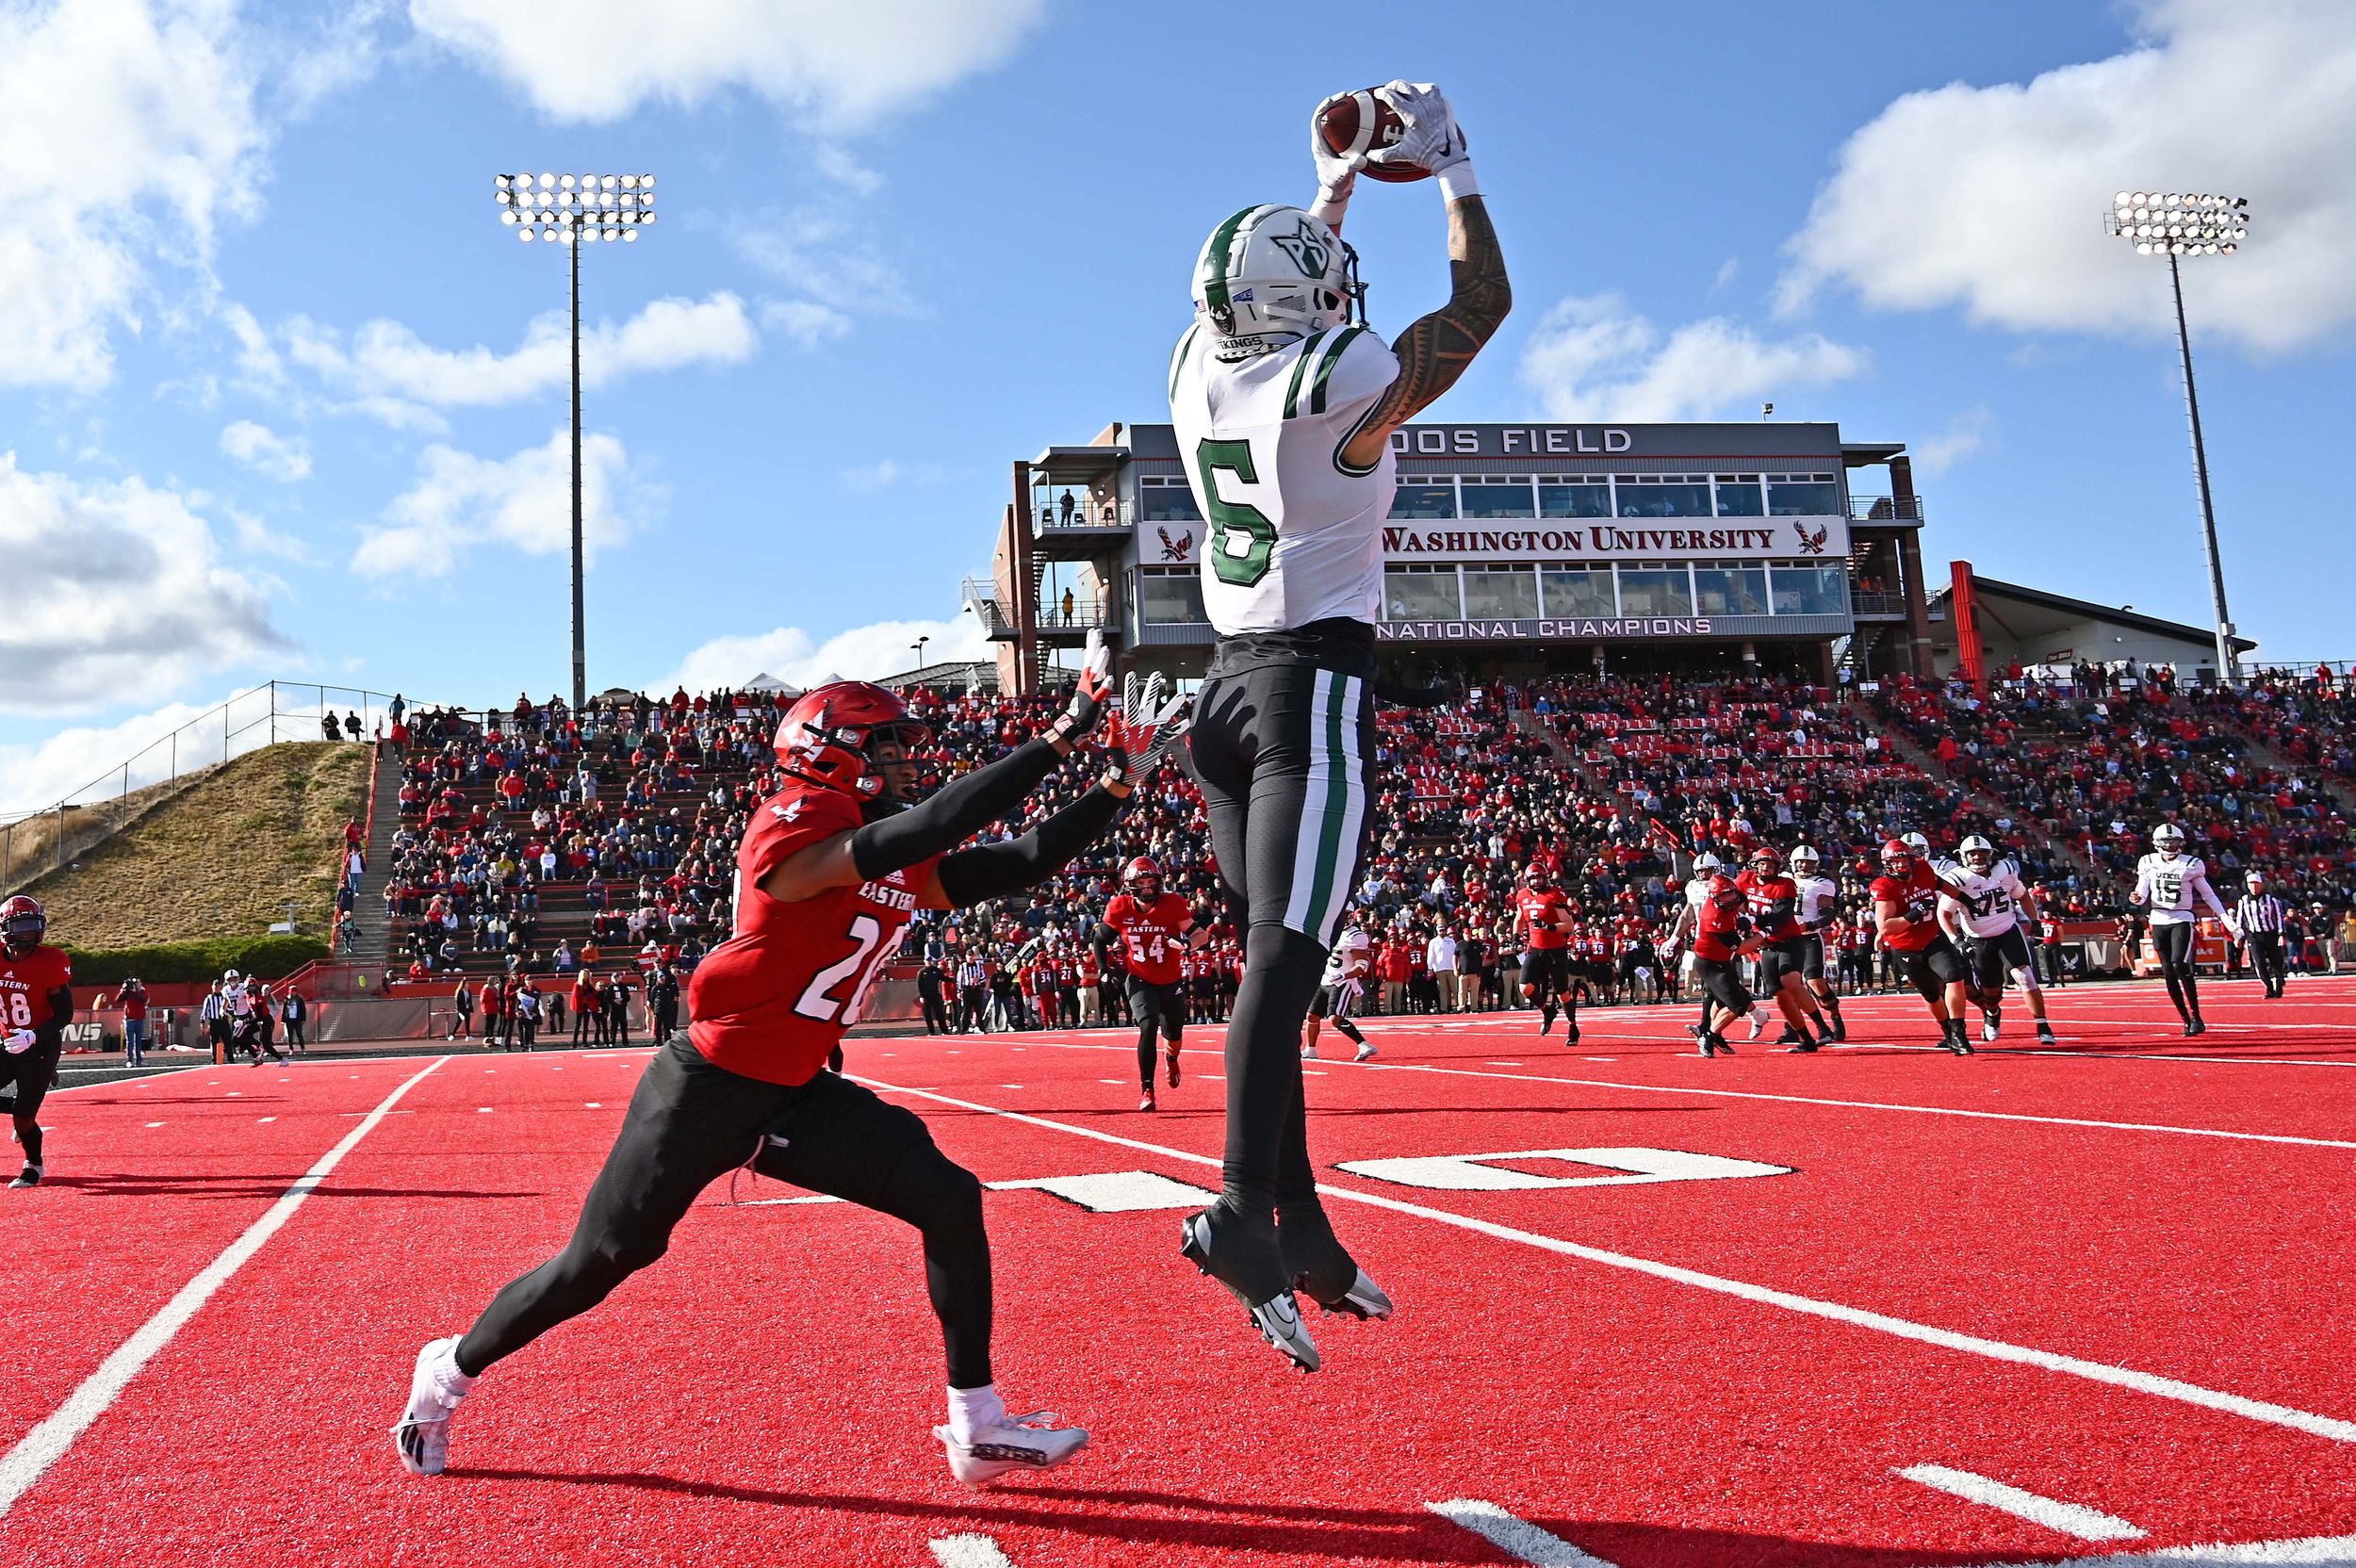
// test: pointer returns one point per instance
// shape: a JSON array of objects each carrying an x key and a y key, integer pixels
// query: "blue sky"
[{"x": 284, "y": 398}]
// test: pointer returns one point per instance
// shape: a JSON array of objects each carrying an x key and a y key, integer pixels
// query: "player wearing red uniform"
[
  {"x": 1773, "y": 900},
  {"x": 1905, "y": 911},
  {"x": 829, "y": 873},
  {"x": 36, "y": 1004},
  {"x": 1722, "y": 933},
  {"x": 1545, "y": 915},
  {"x": 1151, "y": 926}
]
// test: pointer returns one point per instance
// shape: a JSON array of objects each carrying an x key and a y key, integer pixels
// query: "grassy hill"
[{"x": 224, "y": 859}]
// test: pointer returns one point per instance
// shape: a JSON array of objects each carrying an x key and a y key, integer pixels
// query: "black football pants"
[
  {"x": 1159, "y": 1010},
  {"x": 1283, "y": 753},
  {"x": 691, "y": 1122},
  {"x": 2173, "y": 944}
]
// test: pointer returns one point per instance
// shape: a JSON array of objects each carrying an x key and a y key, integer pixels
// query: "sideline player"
[
  {"x": 1723, "y": 934},
  {"x": 1982, "y": 905},
  {"x": 1284, "y": 401},
  {"x": 1775, "y": 903},
  {"x": 828, "y": 874},
  {"x": 2167, "y": 883},
  {"x": 1819, "y": 903},
  {"x": 1544, "y": 912},
  {"x": 1337, "y": 995},
  {"x": 36, "y": 1004},
  {"x": 1151, "y": 925},
  {"x": 1906, "y": 914}
]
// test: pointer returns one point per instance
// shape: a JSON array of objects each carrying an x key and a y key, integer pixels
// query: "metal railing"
[
  {"x": 1862, "y": 603},
  {"x": 1086, "y": 516},
  {"x": 1885, "y": 509},
  {"x": 37, "y": 840}
]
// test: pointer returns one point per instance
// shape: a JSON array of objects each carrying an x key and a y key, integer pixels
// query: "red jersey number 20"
[{"x": 850, "y": 976}]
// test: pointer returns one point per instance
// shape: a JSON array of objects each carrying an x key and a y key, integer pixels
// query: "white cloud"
[
  {"x": 861, "y": 653},
  {"x": 116, "y": 592},
  {"x": 825, "y": 253},
  {"x": 1593, "y": 358},
  {"x": 130, "y": 132},
  {"x": 391, "y": 373},
  {"x": 266, "y": 452},
  {"x": 1992, "y": 198},
  {"x": 32, "y": 777},
  {"x": 840, "y": 65},
  {"x": 806, "y": 321},
  {"x": 461, "y": 501},
  {"x": 1965, "y": 434}
]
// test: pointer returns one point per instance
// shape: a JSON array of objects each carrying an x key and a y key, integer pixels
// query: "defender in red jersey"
[
  {"x": 828, "y": 872},
  {"x": 1905, "y": 911},
  {"x": 1150, "y": 926},
  {"x": 1542, "y": 911},
  {"x": 1774, "y": 901},
  {"x": 36, "y": 1004},
  {"x": 1722, "y": 933}
]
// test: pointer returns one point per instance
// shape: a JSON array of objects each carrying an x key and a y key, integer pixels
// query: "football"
[{"x": 1365, "y": 122}]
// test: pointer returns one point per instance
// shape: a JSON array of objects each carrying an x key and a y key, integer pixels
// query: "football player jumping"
[
  {"x": 36, "y": 1004},
  {"x": 829, "y": 873},
  {"x": 1285, "y": 401}
]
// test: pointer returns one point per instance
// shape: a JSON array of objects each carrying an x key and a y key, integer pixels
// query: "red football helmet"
[
  {"x": 1897, "y": 857},
  {"x": 1725, "y": 893},
  {"x": 1139, "y": 871},
  {"x": 824, "y": 738},
  {"x": 22, "y": 922},
  {"x": 1535, "y": 874},
  {"x": 1766, "y": 855}
]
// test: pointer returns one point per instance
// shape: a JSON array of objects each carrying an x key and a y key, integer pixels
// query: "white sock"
[
  {"x": 446, "y": 1373},
  {"x": 974, "y": 1409}
]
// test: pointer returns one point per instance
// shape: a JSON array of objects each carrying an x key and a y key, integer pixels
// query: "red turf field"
[{"x": 1907, "y": 1310}]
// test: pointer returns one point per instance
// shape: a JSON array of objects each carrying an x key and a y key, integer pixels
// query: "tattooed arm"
[{"x": 1435, "y": 351}]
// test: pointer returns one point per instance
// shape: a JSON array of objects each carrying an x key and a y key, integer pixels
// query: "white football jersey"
[
  {"x": 1818, "y": 895},
  {"x": 2168, "y": 888},
  {"x": 1347, "y": 960},
  {"x": 1295, "y": 533},
  {"x": 1986, "y": 906}
]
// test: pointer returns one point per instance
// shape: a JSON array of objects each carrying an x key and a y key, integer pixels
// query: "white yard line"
[
  {"x": 2072, "y": 1519},
  {"x": 1515, "y": 1537},
  {"x": 968, "y": 1551},
  {"x": 2151, "y": 1383},
  {"x": 48, "y": 1442}
]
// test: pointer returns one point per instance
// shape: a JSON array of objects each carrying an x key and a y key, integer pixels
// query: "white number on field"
[{"x": 1630, "y": 1168}]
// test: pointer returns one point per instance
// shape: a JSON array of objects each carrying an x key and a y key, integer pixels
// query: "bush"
[{"x": 271, "y": 957}]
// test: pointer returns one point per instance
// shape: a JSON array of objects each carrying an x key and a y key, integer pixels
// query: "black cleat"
[
  {"x": 29, "y": 1177},
  {"x": 1322, "y": 1268},
  {"x": 2194, "y": 1028},
  {"x": 1570, "y": 1031}
]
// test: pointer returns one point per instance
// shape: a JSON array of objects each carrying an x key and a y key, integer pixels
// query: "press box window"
[
  {"x": 1574, "y": 496},
  {"x": 1579, "y": 592},
  {"x": 1416, "y": 502},
  {"x": 1500, "y": 594},
  {"x": 1167, "y": 500},
  {"x": 1498, "y": 496},
  {"x": 1662, "y": 495},
  {"x": 1729, "y": 588},
  {"x": 1803, "y": 495},
  {"x": 1653, "y": 588},
  {"x": 1170, "y": 596},
  {"x": 1810, "y": 588},
  {"x": 1421, "y": 593},
  {"x": 1739, "y": 496}
]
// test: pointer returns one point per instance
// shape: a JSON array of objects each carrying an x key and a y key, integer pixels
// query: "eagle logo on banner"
[
  {"x": 1812, "y": 544},
  {"x": 1178, "y": 548}
]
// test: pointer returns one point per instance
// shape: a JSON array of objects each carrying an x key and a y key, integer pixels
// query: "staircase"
[
  {"x": 1535, "y": 726},
  {"x": 368, "y": 905}
]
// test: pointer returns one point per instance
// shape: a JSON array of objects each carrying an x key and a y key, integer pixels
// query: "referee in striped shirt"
[{"x": 2260, "y": 915}]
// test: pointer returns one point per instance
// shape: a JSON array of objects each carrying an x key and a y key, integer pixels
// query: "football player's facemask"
[
  {"x": 1978, "y": 853},
  {"x": 1142, "y": 879},
  {"x": 855, "y": 737},
  {"x": 2168, "y": 839},
  {"x": 1536, "y": 877},
  {"x": 22, "y": 923},
  {"x": 1804, "y": 860},
  {"x": 1898, "y": 857},
  {"x": 1271, "y": 274}
]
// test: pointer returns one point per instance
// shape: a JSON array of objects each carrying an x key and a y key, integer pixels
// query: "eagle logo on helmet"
[{"x": 825, "y": 737}]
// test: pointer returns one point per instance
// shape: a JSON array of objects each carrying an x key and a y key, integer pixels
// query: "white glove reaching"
[
  {"x": 1432, "y": 140},
  {"x": 1090, "y": 694},
  {"x": 20, "y": 1040},
  {"x": 1152, "y": 720},
  {"x": 1338, "y": 175}
]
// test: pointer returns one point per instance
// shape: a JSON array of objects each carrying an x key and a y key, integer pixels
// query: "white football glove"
[
  {"x": 1152, "y": 720},
  {"x": 1337, "y": 176},
  {"x": 1432, "y": 140},
  {"x": 1090, "y": 694},
  {"x": 20, "y": 1040}
]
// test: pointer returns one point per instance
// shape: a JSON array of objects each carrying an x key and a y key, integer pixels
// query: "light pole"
[
  {"x": 2174, "y": 226},
  {"x": 919, "y": 646},
  {"x": 572, "y": 211}
]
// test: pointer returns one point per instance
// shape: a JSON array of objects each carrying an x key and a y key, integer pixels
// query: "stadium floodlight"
[
  {"x": 566, "y": 211},
  {"x": 2176, "y": 224}
]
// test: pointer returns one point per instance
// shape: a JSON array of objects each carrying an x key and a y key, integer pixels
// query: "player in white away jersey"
[
  {"x": 1337, "y": 995},
  {"x": 2167, "y": 883},
  {"x": 1818, "y": 901},
  {"x": 1284, "y": 402},
  {"x": 1982, "y": 905}
]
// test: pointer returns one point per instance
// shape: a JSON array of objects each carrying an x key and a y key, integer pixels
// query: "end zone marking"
[
  {"x": 48, "y": 1442},
  {"x": 2086, "y": 1524},
  {"x": 1633, "y": 1168},
  {"x": 1515, "y": 1537},
  {"x": 2152, "y": 1384},
  {"x": 968, "y": 1551}
]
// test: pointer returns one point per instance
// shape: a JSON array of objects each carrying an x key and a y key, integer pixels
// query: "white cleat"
[
  {"x": 30, "y": 1176},
  {"x": 1990, "y": 1029},
  {"x": 422, "y": 1436},
  {"x": 1758, "y": 1024},
  {"x": 1367, "y": 1053},
  {"x": 1032, "y": 1441},
  {"x": 1362, "y": 1299},
  {"x": 1279, "y": 1322},
  {"x": 1308, "y": 1053}
]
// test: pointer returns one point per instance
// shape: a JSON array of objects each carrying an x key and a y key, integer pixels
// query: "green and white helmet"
[{"x": 1271, "y": 274}]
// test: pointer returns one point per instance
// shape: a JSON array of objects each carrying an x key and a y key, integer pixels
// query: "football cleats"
[
  {"x": 824, "y": 738},
  {"x": 22, "y": 922},
  {"x": 1271, "y": 274},
  {"x": 2168, "y": 839},
  {"x": 1977, "y": 853},
  {"x": 1804, "y": 860},
  {"x": 1897, "y": 857},
  {"x": 1142, "y": 878}
]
